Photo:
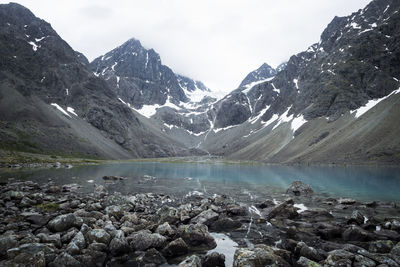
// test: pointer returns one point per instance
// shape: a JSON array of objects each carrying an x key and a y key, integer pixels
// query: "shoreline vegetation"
[{"x": 57, "y": 225}]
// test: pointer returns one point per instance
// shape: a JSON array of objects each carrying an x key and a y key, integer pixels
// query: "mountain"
[
  {"x": 175, "y": 104},
  {"x": 264, "y": 72},
  {"x": 51, "y": 102},
  {"x": 313, "y": 109},
  {"x": 140, "y": 79}
]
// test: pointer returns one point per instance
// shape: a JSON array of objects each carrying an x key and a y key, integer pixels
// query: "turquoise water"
[{"x": 362, "y": 183}]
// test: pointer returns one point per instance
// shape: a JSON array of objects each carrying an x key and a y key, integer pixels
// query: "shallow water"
[{"x": 362, "y": 183}]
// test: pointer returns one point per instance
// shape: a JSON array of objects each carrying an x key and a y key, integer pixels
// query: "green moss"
[
  {"x": 313, "y": 264},
  {"x": 48, "y": 207}
]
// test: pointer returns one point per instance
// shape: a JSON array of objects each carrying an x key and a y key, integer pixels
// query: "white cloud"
[{"x": 215, "y": 41}]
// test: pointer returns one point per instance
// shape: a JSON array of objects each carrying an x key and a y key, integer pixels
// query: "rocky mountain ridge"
[{"x": 50, "y": 102}]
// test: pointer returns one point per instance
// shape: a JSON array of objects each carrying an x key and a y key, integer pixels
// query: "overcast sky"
[{"x": 215, "y": 41}]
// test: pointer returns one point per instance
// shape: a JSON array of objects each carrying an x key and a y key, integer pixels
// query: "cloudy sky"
[{"x": 215, "y": 41}]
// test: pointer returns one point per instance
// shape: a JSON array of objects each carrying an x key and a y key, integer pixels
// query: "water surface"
[{"x": 360, "y": 182}]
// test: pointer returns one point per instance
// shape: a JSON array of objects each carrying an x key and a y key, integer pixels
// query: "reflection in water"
[{"x": 363, "y": 183}]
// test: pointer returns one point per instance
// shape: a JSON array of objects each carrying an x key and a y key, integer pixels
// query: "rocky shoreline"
[{"x": 51, "y": 225}]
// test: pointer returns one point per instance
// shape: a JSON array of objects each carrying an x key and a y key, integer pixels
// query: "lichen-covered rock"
[
  {"x": 304, "y": 262},
  {"x": 298, "y": 188}
]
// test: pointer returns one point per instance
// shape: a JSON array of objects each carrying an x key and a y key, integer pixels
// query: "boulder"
[
  {"x": 119, "y": 245},
  {"x": 7, "y": 242},
  {"x": 214, "y": 259},
  {"x": 64, "y": 222},
  {"x": 196, "y": 235},
  {"x": 225, "y": 224},
  {"x": 259, "y": 256},
  {"x": 285, "y": 209},
  {"x": 79, "y": 240},
  {"x": 356, "y": 218},
  {"x": 175, "y": 248},
  {"x": 31, "y": 248},
  {"x": 152, "y": 256},
  {"x": 362, "y": 261},
  {"x": 166, "y": 230},
  {"x": 144, "y": 240},
  {"x": 380, "y": 246},
  {"x": 65, "y": 260},
  {"x": 304, "y": 262},
  {"x": 115, "y": 211},
  {"x": 308, "y": 252},
  {"x": 99, "y": 236},
  {"x": 298, "y": 188},
  {"x": 54, "y": 239},
  {"x": 206, "y": 217},
  {"x": 356, "y": 233},
  {"x": 339, "y": 257},
  {"x": 346, "y": 201},
  {"x": 192, "y": 261}
]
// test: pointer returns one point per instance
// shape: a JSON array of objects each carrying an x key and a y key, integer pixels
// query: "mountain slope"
[
  {"x": 355, "y": 63},
  {"x": 51, "y": 103}
]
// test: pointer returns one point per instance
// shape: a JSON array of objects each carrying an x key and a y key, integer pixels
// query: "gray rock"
[
  {"x": 64, "y": 222},
  {"x": 31, "y": 248},
  {"x": 196, "y": 235},
  {"x": 166, "y": 230},
  {"x": 54, "y": 239},
  {"x": 346, "y": 201},
  {"x": 304, "y": 262},
  {"x": 284, "y": 209},
  {"x": 298, "y": 188},
  {"x": 308, "y": 252},
  {"x": 213, "y": 259},
  {"x": 115, "y": 211},
  {"x": 206, "y": 217},
  {"x": 144, "y": 240},
  {"x": 67, "y": 237},
  {"x": 7, "y": 242},
  {"x": 65, "y": 260},
  {"x": 119, "y": 245},
  {"x": 356, "y": 233},
  {"x": 152, "y": 256},
  {"x": 380, "y": 246},
  {"x": 79, "y": 240},
  {"x": 13, "y": 195},
  {"x": 259, "y": 256},
  {"x": 97, "y": 247},
  {"x": 356, "y": 218},
  {"x": 396, "y": 249},
  {"x": 338, "y": 257},
  {"x": 225, "y": 224},
  {"x": 192, "y": 261},
  {"x": 168, "y": 214},
  {"x": 99, "y": 236},
  {"x": 362, "y": 261},
  {"x": 175, "y": 248},
  {"x": 73, "y": 249}
]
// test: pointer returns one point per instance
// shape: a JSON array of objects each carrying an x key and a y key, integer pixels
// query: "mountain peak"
[{"x": 264, "y": 72}]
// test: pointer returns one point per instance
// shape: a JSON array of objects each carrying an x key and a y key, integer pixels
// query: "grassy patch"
[{"x": 48, "y": 207}]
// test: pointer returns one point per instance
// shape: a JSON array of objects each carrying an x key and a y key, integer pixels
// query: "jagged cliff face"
[
  {"x": 355, "y": 62},
  {"x": 50, "y": 102}
]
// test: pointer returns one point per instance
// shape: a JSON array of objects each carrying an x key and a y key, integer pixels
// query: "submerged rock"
[{"x": 298, "y": 188}]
